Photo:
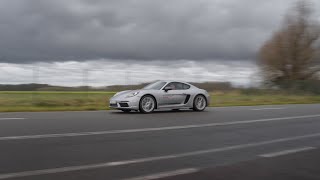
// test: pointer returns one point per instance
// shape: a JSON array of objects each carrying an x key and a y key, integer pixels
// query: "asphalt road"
[{"x": 116, "y": 145}]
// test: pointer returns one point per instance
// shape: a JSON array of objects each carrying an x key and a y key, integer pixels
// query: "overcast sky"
[{"x": 145, "y": 33}]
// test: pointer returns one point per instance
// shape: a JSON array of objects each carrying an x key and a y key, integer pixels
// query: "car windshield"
[{"x": 156, "y": 85}]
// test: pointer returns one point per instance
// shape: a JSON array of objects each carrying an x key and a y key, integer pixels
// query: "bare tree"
[{"x": 292, "y": 53}]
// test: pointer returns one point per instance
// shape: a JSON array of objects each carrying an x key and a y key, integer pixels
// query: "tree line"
[{"x": 290, "y": 58}]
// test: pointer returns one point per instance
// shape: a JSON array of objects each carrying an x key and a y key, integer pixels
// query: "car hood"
[{"x": 125, "y": 93}]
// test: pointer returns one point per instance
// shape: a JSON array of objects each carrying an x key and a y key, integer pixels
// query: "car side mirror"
[{"x": 166, "y": 89}]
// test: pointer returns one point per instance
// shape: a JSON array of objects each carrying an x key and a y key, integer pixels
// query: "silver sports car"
[{"x": 161, "y": 95}]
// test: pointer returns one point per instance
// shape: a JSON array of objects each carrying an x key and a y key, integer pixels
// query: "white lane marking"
[
  {"x": 1, "y": 119},
  {"x": 150, "y": 159},
  {"x": 166, "y": 174},
  {"x": 5, "y": 138},
  {"x": 285, "y": 152},
  {"x": 269, "y": 108}
]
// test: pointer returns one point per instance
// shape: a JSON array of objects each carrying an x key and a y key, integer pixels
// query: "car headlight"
[
  {"x": 132, "y": 94},
  {"x": 116, "y": 94}
]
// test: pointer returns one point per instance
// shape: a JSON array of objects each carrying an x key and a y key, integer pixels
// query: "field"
[{"x": 13, "y": 101}]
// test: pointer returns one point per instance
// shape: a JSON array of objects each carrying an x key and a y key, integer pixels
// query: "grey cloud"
[{"x": 57, "y": 30}]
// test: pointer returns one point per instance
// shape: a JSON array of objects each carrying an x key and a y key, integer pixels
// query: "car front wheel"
[
  {"x": 147, "y": 104},
  {"x": 199, "y": 103}
]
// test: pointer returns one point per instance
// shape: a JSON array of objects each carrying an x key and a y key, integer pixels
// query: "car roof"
[{"x": 169, "y": 81}]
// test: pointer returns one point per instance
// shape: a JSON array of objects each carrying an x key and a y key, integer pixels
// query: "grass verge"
[{"x": 15, "y": 101}]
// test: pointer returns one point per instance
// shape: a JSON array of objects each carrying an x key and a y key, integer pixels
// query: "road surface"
[{"x": 116, "y": 145}]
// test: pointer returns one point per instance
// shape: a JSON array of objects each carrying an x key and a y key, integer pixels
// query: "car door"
[
  {"x": 183, "y": 93},
  {"x": 175, "y": 96}
]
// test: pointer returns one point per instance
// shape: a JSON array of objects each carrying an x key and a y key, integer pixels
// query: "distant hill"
[
  {"x": 22, "y": 87},
  {"x": 38, "y": 87},
  {"x": 209, "y": 86}
]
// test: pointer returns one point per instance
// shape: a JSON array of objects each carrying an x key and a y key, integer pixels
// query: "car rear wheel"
[
  {"x": 147, "y": 104},
  {"x": 199, "y": 103}
]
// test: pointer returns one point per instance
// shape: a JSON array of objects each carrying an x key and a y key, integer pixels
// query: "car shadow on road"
[{"x": 159, "y": 112}]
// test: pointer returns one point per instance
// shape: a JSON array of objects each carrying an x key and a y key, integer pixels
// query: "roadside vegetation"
[
  {"x": 253, "y": 97},
  {"x": 14, "y": 101},
  {"x": 290, "y": 59}
]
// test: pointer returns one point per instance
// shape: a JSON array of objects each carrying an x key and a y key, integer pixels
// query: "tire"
[
  {"x": 147, "y": 104},
  {"x": 199, "y": 103},
  {"x": 126, "y": 110}
]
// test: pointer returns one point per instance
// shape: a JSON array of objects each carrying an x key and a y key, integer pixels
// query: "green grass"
[
  {"x": 240, "y": 99},
  {"x": 14, "y": 101},
  {"x": 53, "y": 101}
]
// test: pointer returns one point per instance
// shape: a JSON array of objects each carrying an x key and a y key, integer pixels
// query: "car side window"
[
  {"x": 172, "y": 85},
  {"x": 178, "y": 86},
  {"x": 186, "y": 86}
]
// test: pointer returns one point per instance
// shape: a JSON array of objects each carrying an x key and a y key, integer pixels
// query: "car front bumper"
[{"x": 124, "y": 103}]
